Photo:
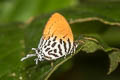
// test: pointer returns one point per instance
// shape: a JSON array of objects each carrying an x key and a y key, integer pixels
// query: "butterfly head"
[{"x": 39, "y": 54}]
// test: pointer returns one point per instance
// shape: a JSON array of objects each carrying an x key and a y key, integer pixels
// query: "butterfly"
[{"x": 57, "y": 40}]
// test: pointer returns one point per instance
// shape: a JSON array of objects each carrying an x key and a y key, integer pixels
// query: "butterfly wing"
[{"x": 57, "y": 39}]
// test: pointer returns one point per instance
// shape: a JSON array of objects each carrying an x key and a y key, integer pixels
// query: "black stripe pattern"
[{"x": 53, "y": 49}]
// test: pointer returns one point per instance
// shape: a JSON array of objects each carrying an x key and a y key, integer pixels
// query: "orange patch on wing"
[{"x": 58, "y": 26}]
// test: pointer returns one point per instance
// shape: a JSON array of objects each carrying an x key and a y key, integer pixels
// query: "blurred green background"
[
  {"x": 22, "y": 10},
  {"x": 83, "y": 66}
]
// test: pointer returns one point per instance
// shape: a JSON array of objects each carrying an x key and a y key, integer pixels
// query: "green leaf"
[
  {"x": 85, "y": 19},
  {"x": 90, "y": 45},
  {"x": 33, "y": 34},
  {"x": 12, "y": 49},
  {"x": 114, "y": 57},
  {"x": 44, "y": 70}
]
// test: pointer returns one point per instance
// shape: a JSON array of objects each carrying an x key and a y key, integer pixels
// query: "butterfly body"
[{"x": 56, "y": 42}]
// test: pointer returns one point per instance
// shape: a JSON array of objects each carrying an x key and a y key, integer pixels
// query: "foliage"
[{"x": 95, "y": 27}]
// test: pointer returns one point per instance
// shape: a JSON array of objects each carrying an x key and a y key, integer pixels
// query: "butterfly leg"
[
  {"x": 35, "y": 49},
  {"x": 36, "y": 60},
  {"x": 28, "y": 56}
]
